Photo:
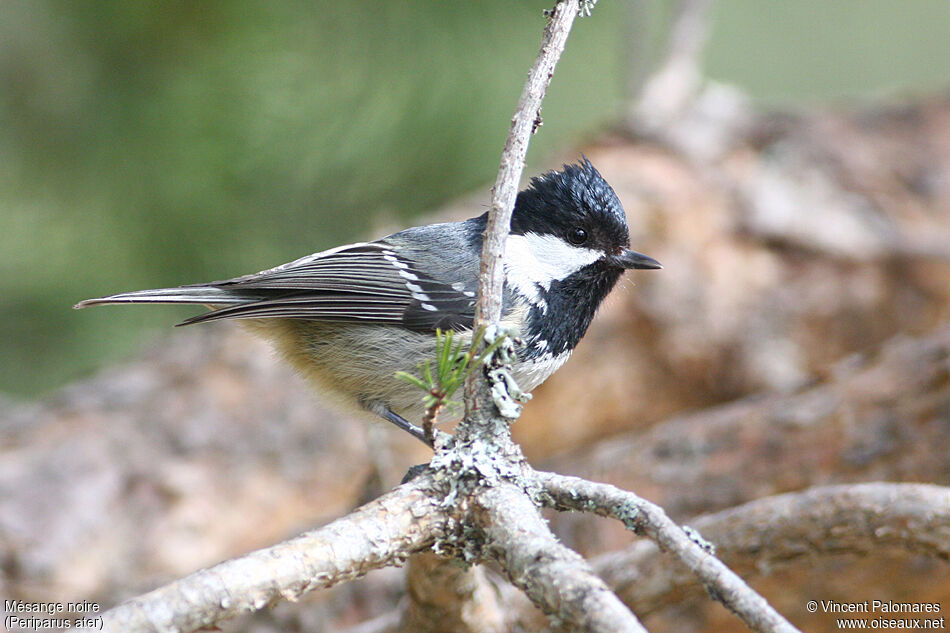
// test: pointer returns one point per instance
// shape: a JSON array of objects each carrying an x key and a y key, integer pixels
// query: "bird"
[{"x": 351, "y": 317}]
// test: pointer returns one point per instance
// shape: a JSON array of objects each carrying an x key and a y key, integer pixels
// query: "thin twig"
[
  {"x": 430, "y": 417},
  {"x": 644, "y": 517},
  {"x": 827, "y": 520},
  {"x": 491, "y": 277}
]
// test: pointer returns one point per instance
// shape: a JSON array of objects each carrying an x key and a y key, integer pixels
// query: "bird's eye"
[{"x": 577, "y": 236}]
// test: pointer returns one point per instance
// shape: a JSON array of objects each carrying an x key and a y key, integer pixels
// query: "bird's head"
[{"x": 570, "y": 219}]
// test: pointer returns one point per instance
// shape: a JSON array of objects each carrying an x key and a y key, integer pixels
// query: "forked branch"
[{"x": 646, "y": 518}]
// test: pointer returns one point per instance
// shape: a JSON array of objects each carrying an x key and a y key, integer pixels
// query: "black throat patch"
[{"x": 571, "y": 305}]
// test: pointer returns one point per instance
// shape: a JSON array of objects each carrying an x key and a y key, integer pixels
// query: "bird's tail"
[{"x": 207, "y": 295}]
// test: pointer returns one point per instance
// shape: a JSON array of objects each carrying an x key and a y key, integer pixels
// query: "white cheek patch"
[{"x": 533, "y": 261}]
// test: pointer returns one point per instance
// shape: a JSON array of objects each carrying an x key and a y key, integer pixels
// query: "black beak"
[{"x": 632, "y": 259}]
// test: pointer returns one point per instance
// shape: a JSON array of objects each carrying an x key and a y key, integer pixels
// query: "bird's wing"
[{"x": 375, "y": 282}]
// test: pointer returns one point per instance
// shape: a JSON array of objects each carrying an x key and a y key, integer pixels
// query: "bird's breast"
[{"x": 531, "y": 372}]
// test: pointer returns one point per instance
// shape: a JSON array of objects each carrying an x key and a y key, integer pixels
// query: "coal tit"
[{"x": 350, "y": 317}]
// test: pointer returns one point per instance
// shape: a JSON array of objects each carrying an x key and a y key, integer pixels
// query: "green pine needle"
[{"x": 452, "y": 367}]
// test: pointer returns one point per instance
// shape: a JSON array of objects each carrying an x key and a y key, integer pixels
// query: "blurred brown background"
[{"x": 797, "y": 335}]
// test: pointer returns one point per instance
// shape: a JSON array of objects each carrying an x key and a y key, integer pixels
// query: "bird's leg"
[
  {"x": 384, "y": 412},
  {"x": 407, "y": 426}
]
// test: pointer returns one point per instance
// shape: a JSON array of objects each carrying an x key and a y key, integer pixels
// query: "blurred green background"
[{"x": 146, "y": 144}]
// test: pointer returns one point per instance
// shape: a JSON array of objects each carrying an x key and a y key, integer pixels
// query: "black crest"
[{"x": 577, "y": 196}]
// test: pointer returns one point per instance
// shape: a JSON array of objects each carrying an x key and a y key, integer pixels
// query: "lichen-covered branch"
[
  {"x": 647, "y": 518},
  {"x": 856, "y": 518},
  {"x": 555, "y": 578},
  {"x": 383, "y": 532}
]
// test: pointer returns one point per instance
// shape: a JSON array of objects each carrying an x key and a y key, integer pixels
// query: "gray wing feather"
[
  {"x": 183, "y": 294},
  {"x": 378, "y": 282}
]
